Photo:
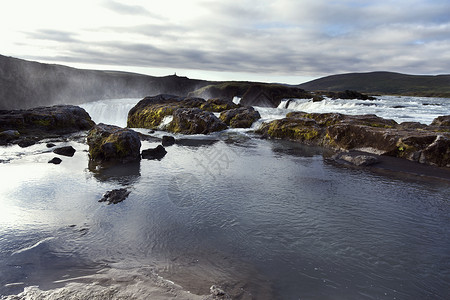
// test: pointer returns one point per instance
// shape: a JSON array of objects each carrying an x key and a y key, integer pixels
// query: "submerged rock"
[
  {"x": 195, "y": 121},
  {"x": 66, "y": 151},
  {"x": 242, "y": 117},
  {"x": 368, "y": 133},
  {"x": 108, "y": 143},
  {"x": 115, "y": 196},
  {"x": 156, "y": 153},
  {"x": 150, "y": 111},
  {"x": 356, "y": 159}
]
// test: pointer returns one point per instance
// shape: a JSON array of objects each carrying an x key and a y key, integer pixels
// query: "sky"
[{"x": 265, "y": 40}]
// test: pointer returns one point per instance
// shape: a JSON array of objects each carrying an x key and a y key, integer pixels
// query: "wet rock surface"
[
  {"x": 156, "y": 153},
  {"x": 66, "y": 151},
  {"x": 112, "y": 144},
  {"x": 369, "y": 133}
]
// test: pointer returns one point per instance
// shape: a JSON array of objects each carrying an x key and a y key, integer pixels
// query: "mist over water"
[{"x": 271, "y": 219}]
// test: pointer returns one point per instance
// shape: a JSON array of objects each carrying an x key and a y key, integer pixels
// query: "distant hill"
[
  {"x": 386, "y": 83},
  {"x": 25, "y": 84}
]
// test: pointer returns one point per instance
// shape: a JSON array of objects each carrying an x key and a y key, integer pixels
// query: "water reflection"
[{"x": 123, "y": 174}]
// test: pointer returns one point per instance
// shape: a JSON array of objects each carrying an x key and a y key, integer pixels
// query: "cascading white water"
[
  {"x": 112, "y": 112},
  {"x": 400, "y": 109}
]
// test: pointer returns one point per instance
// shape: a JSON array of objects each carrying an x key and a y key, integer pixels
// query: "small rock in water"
[
  {"x": 66, "y": 151},
  {"x": 168, "y": 140},
  {"x": 115, "y": 196},
  {"x": 359, "y": 160},
  {"x": 156, "y": 153},
  {"x": 55, "y": 160},
  {"x": 50, "y": 145}
]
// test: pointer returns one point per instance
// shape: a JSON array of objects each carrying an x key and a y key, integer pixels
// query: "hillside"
[
  {"x": 25, "y": 84},
  {"x": 386, "y": 83}
]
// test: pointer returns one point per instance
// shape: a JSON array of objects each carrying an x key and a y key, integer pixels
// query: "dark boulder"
[
  {"x": 55, "y": 161},
  {"x": 108, "y": 143},
  {"x": 156, "y": 153},
  {"x": 195, "y": 121},
  {"x": 42, "y": 122},
  {"x": 242, "y": 117},
  {"x": 168, "y": 140},
  {"x": 150, "y": 111},
  {"x": 115, "y": 196},
  {"x": 66, "y": 151}
]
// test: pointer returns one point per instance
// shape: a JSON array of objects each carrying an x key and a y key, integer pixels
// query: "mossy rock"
[
  {"x": 242, "y": 117},
  {"x": 150, "y": 111},
  {"x": 108, "y": 143},
  {"x": 299, "y": 129},
  {"x": 218, "y": 105},
  {"x": 195, "y": 121}
]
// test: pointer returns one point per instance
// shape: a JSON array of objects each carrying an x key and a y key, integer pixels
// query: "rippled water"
[{"x": 273, "y": 218}]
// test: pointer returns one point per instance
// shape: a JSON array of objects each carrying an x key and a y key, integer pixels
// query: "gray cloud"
[
  {"x": 125, "y": 9},
  {"x": 279, "y": 37}
]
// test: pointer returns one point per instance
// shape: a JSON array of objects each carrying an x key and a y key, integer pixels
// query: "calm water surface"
[{"x": 274, "y": 214}]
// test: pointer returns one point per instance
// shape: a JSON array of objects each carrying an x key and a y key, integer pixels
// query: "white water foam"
[{"x": 398, "y": 108}]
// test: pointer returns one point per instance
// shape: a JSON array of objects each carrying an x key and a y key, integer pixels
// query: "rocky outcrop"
[
  {"x": 369, "y": 133},
  {"x": 112, "y": 144},
  {"x": 195, "y": 121},
  {"x": 242, "y": 117},
  {"x": 442, "y": 121},
  {"x": 150, "y": 111},
  {"x": 42, "y": 122},
  {"x": 253, "y": 94}
]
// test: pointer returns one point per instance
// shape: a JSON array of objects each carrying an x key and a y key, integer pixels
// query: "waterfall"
[{"x": 113, "y": 112}]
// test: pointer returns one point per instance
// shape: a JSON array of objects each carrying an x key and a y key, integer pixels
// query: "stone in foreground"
[{"x": 108, "y": 143}]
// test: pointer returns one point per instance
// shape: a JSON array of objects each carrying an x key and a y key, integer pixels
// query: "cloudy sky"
[{"x": 268, "y": 40}]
